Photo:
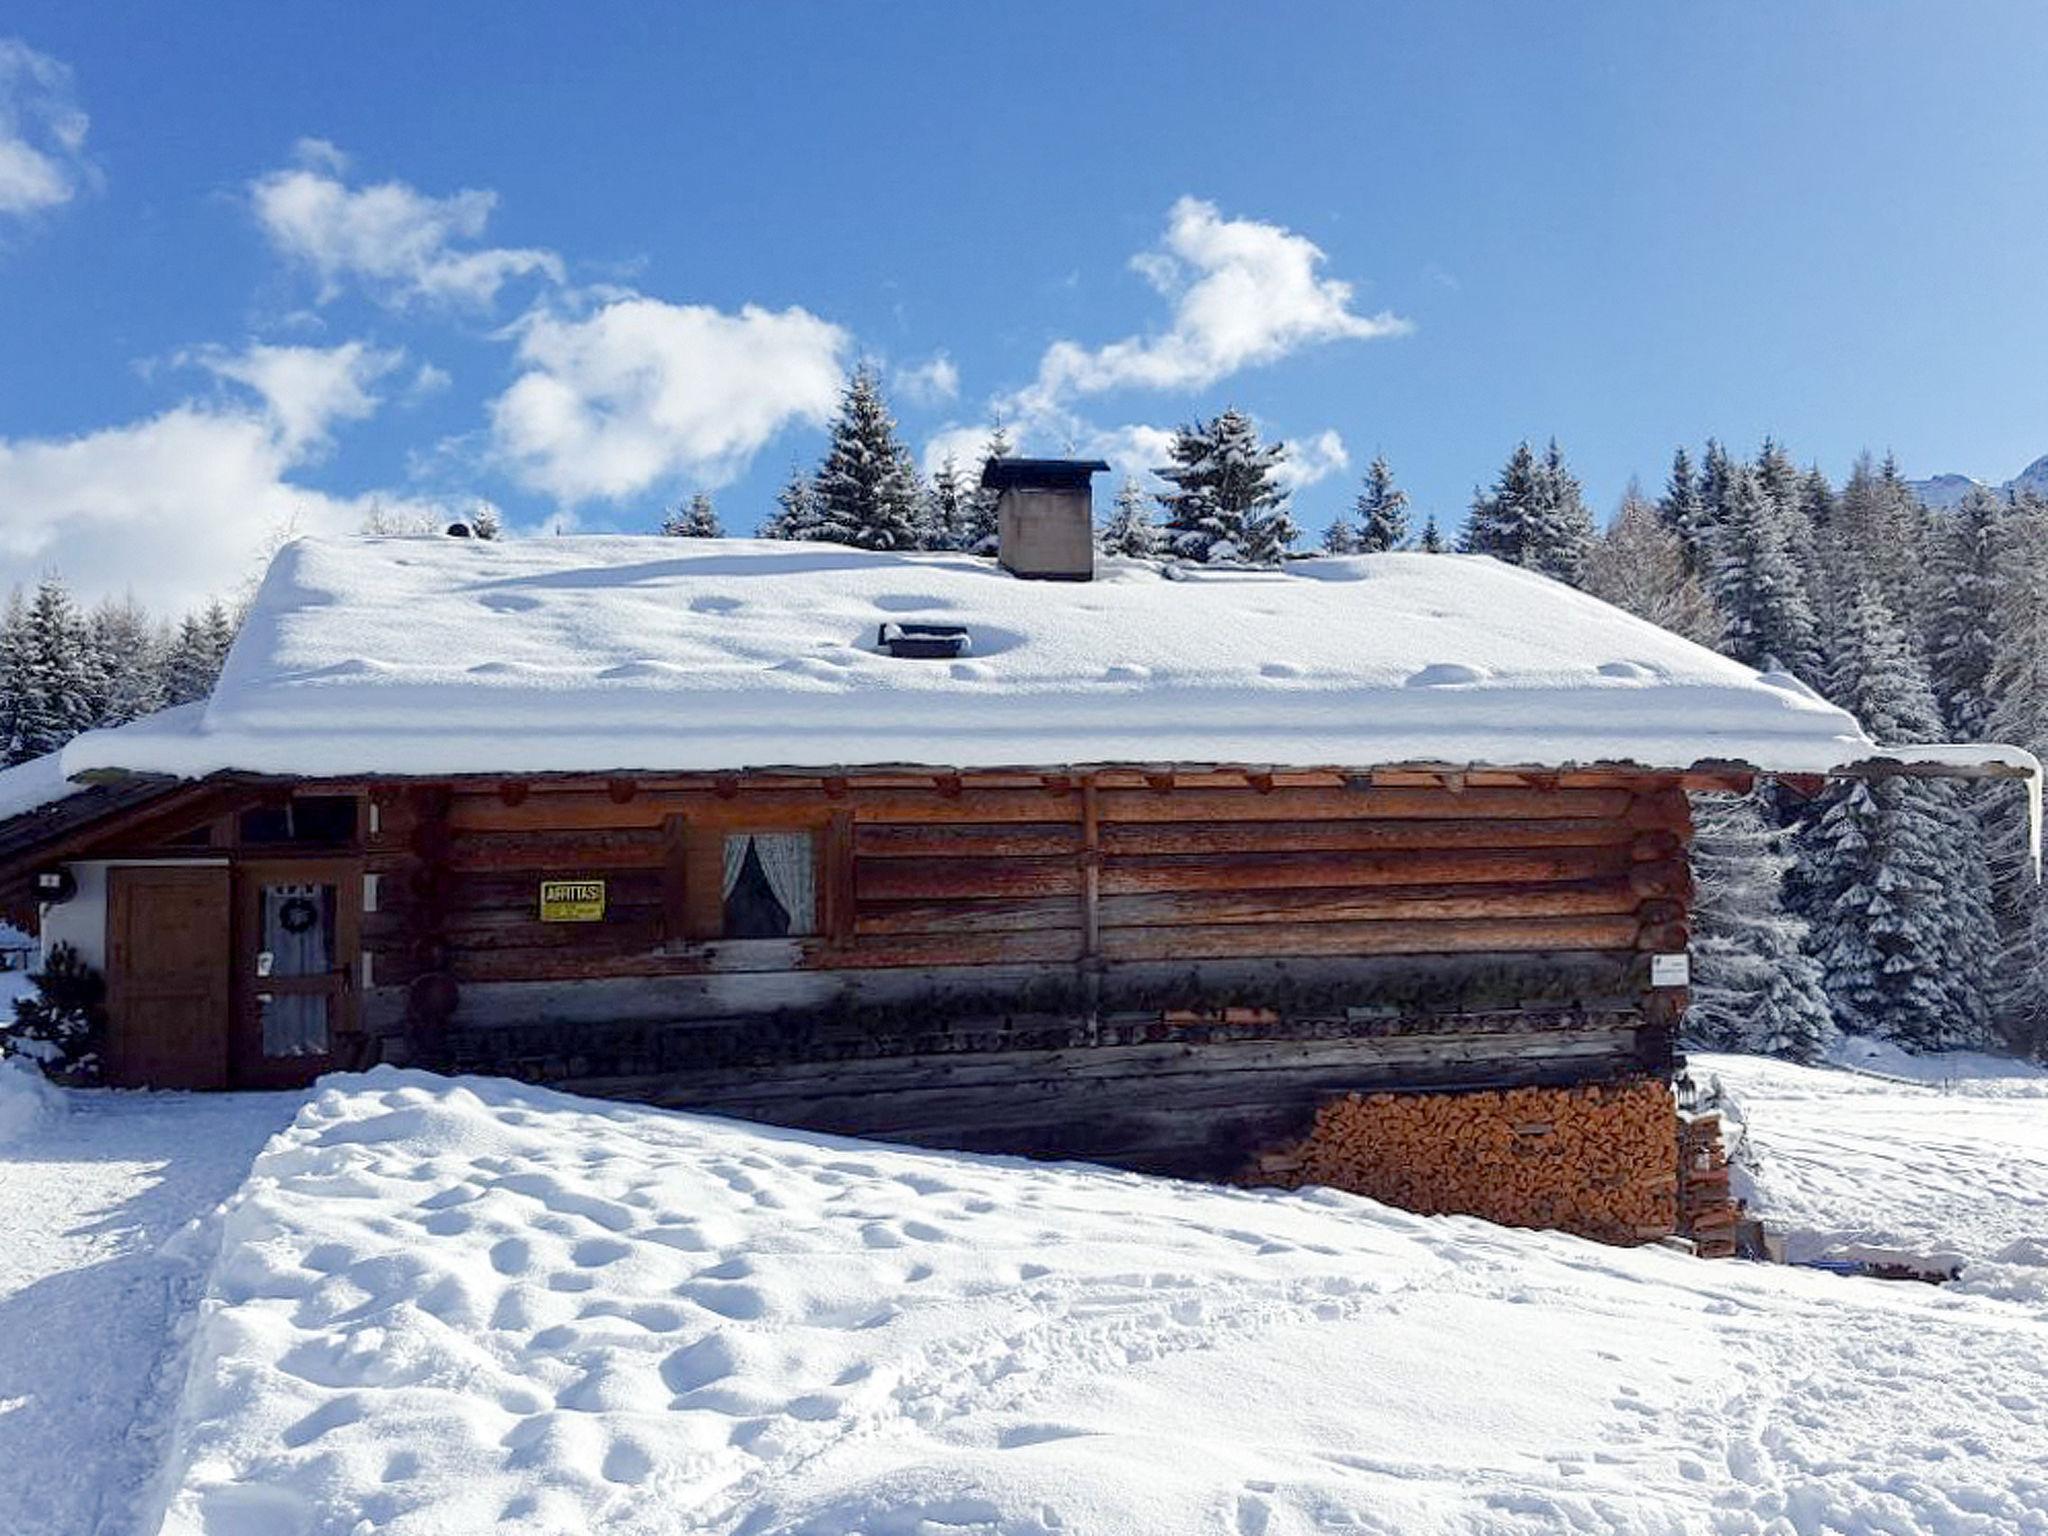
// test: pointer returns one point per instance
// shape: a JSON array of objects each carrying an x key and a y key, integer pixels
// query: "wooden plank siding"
[
  {"x": 1144, "y": 966},
  {"x": 1000, "y": 873}
]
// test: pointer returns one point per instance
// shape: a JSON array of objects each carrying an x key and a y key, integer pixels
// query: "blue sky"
[{"x": 264, "y": 264}]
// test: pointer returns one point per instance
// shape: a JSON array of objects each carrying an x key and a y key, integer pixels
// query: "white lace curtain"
[{"x": 791, "y": 870}]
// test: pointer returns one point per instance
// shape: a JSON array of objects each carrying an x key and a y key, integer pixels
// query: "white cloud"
[
  {"x": 180, "y": 506},
  {"x": 963, "y": 445},
  {"x": 175, "y": 508},
  {"x": 1244, "y": 294},
  {"x": 643, "y": 391},
  {"x": 305, "y": 390},
  {"x": 930, "y": 383},
  {"x": 400, "y": 243},
  {"x": 42, "y": 132},
  {"x": 428, "y": 381},
  {"x": 1310, "y": 459}
]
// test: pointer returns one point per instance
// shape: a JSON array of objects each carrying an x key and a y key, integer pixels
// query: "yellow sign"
[{"x": 572, "y": 901}]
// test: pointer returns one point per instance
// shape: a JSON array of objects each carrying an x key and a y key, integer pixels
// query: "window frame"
[{"x": 693, "y": 898}]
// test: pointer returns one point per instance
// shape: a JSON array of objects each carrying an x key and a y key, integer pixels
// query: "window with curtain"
[{"x": 771, "y": 885}]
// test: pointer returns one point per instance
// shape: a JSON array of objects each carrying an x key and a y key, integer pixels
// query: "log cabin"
[{"x": 1134, "y": 862}]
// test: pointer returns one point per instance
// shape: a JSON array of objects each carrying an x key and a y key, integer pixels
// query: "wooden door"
[
  {"x": 167, "y": 976},
  {"x": 297, "y": 947}
]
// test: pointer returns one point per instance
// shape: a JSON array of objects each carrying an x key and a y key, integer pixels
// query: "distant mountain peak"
[{"x": 1943, "y": 492}]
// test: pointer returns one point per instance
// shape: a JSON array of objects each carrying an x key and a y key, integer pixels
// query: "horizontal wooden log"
[
  {"x": 605, "y": 959},
  {"x": 634, "y": 931},
  {"x": 758, "y": 808},
  {"x": 561, "y": 854},
  {"x": 520, "y": 892},
  {"x": 1137, "y": 838},
  {"x": 690, "y": 990},
  {"x": 889, "y": 917},
  {"x": 1453, "y": 866},
  {"x": 1187, "y": 908},
  {"x": 908, "y": 840},
  {"x": 1348, "y": 804},
  {"x": 906, "y": 1094},
  {"x": 926, "y": 879},
  {"x": 1372, "y": 938}
]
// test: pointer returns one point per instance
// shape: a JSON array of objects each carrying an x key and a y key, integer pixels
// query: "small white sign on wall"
[{"x": 1670, "y": 970}]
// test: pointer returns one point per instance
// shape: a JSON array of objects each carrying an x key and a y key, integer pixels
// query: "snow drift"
[{"x": 449, "y": 1307}]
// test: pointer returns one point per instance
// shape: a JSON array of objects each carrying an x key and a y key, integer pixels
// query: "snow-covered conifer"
[
  {"x": 1962, "y": 592},
  {"x": 1886, "y": 866},
  {"x": 1685, "y": 514},
  {"x": 948, "y": 508},
  {"x": 982, "y": 534},
  {"x": 796, "y": 510},
  {"x": 1130, "y": 530},
  {"x": 1758, "y": 584},
  {"x": 1754, "y": 987},
  {"x": 1224, "y": 499},
  {"x": 196, "y": 655},
  {"x": 2018, "y": 688},
  {"x": 1534, "y": 515},
  {"x": 51, "y": 666},
  {"x": 866, "y": 489},
  {"x": 1382, "y": 510},
  {"x": 129, "y": 649},
  {"x": 1340, "y": 538},
  {"x": 1431, "y": 541},
  {"x": 695, "y": 519}
]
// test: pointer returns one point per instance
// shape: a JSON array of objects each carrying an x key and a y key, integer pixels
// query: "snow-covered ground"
[
  {"x": 462, "y": 1307},
  {"x": 91, "y": 1187},
  {"x": 1943, "y": 1158},
  {"x": 437, "y": 1307}
]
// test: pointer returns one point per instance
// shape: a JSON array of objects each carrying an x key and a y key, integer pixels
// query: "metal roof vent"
[
  {"x": 1045, "y": 516},
  {"x": 924, "y": 642}
]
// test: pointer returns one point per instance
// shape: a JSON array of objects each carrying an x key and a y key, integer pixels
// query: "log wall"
[{"x": 1098, "y": 954}]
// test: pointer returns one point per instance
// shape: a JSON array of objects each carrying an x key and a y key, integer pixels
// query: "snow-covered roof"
[{"x": 428, "y": 655}]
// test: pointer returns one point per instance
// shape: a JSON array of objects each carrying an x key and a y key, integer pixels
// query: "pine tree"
[
  {"x": 52, "y": 673},
  {"x": 1875, "y": 537},
  {"x": 949, "y": 508},
  {"x": 196, "y": 656},
  {"x": 128, "y": 650},
  {"x": 1758, "y": 585},
  {"x": 1885, "y": 865},
  {"x": 1685, "y": 514},
  {"x": 1225, "y": 500},
  {"x": 14, "y": 667},
  {"x": 1535, "y": 516},
  {"x": 2018, "y": 689},
  {"x": 1130, "y": 531},
  {"x": 982, "y": 534},
  {"x": 1639, "y": 565},
  {"x": 1431, "y": 542},
  {"x": 1962, "y": 642},
  {"x": 1382, "y": 511},
  {"x": 1754, "y": 988},
  {"x": 867, "y": 489},
  {"x": 695, "y": 519},
  {"x": 796, "y": 510},
  {"x": 484, "y": 522},
  {"x": 1340, "y": 538},
  {"x": 1498, "y": 522}
]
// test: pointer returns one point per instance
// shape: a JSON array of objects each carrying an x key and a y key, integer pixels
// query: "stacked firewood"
[
  {"x": 1598, "y": 1160},
  {"x": 1707, "y": 1211}
]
